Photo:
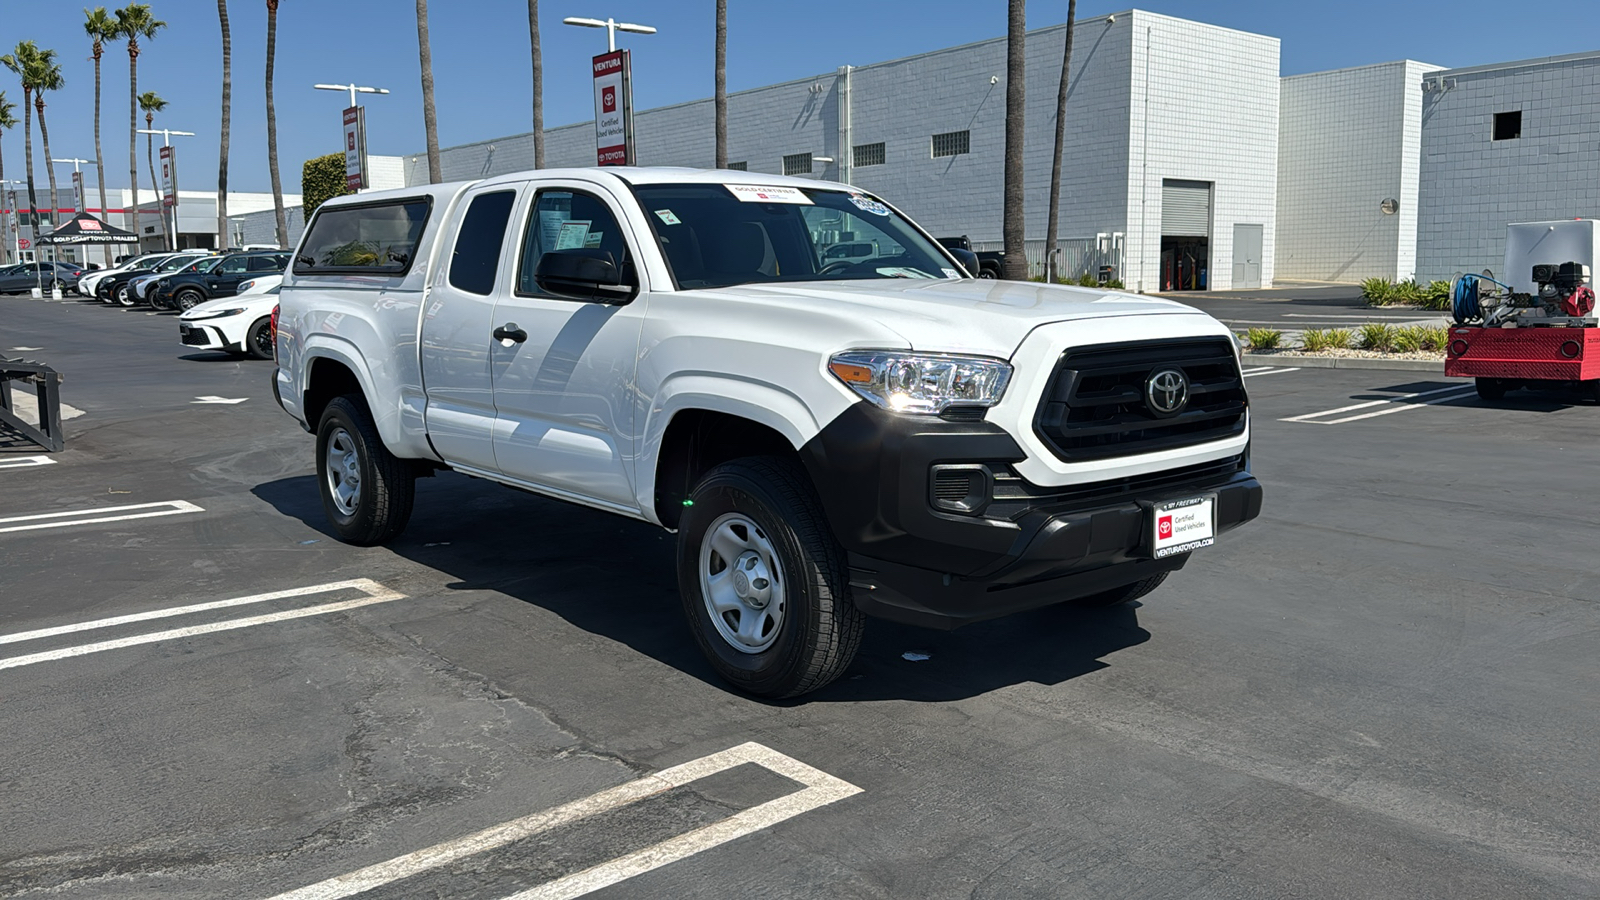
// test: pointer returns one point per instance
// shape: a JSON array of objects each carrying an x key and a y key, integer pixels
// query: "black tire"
[
  {"x": 188, "y": 298},
  {"x": 124, "y": 295},
  {"x": 386, "y": 484},
  {"x": 820, "y": 627},
  {"x": 258, "y": 340},
  {"x": 1491, "y": 388},
  {"x": 1125, "y": 594},
  {"x": 1591, "y": 389},
  {"x": 989, "y": 274}
]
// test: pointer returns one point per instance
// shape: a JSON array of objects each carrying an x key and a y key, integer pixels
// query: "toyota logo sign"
[{"x": 1166, "y": 392}]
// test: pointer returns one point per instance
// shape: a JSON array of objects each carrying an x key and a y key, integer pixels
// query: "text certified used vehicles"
[{"x": 835, "y": 419}]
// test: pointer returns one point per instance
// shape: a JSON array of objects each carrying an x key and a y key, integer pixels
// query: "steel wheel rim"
[
  {"x": 343, "y": 472},
  {"x": 742, "y": 583}
]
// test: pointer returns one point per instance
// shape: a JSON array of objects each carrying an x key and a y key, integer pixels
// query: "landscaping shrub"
[
  {"x": 1376, "y": 290},
  {"x": 1320, "y": 339},
  {"x": 1378, "y": 336},
  {"x": 1434, "y": 338},
  {"x": 1407, "y": 291},
  {"x": 1436, "y": 295},
  {"x": 1408, "y": 340},
  {"x": 1262, "y": 338},
  {"x": 320, "y": 179}
]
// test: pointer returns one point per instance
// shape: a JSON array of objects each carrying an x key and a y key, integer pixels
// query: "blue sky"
[{"x": 481, "y": 62}]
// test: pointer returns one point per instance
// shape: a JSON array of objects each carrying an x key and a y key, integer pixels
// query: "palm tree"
[
  {"x": 7, "y": 120},
  {"x": 227, "y": 116},
  {"x": 45, "y": 73},
  {"x": 100, "y": 26},
  {"x": 151, "y": 103},
  {"x": 135, "y": 21},
  {"x": 17, "y": 61},
  {"x": 1015, "y": 265},
  {"x": 538, "y": 85},
  {"x": 430, "y": 122},
  {"x": 721, "y": 90},
  {"x": 272, "y": 127},
  {"x": 1051, "y": 275}
]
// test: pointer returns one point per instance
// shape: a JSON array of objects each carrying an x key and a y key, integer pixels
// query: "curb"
[{"x": 1345, "y": 362}]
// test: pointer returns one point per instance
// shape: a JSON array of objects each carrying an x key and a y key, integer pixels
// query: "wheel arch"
[{"x": 697, "y": 439}]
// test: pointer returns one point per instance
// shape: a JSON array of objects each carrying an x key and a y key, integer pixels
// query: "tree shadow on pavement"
[{"x": 616, "y": 578}]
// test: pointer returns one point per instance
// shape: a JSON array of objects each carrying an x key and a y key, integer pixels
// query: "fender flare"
[
  {"x": 766, "y": 404},
  {"x": 324, "y": 346}
]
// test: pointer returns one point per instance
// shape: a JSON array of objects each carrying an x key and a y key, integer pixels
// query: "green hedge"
[{"x": 320, "y": 179}]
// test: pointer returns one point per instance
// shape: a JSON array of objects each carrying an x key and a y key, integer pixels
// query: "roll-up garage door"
[{"x": 1185, "y": 208}]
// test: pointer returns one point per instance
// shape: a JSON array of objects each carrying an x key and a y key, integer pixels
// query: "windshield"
[
  {"x": 175, "y": 263},
  {"x": 717, "y": 235}
]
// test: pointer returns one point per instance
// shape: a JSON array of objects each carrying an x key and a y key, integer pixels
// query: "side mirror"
[
  {"x": 968, "y": 260},
  {"x": 582, "y": 274}
]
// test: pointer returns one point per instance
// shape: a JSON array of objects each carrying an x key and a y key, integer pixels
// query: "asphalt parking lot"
[{"x": 1384, "y": 687}]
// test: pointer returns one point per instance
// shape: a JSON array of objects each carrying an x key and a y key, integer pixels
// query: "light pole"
[
  {"x": 353, "y": 88},
  {"x": 612, "y": 26},
  {"x": 166, "y": 141},
  {"x": 77, "y": 189}
]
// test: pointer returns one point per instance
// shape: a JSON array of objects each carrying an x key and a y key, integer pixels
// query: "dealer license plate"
[{"x": 1179, "y": 526}]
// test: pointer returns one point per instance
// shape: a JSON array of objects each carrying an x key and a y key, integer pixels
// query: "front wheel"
[
  {"x": 258, "y": 342},
  {"x": 988, "y": 274},
  {"x": 763, "y": 581},
  {"x": 125, "y": 295},
  {"x": 367, "y": 491},
  {"x": 188, "y": 299},
  {"x": 1491, "y": 388}
]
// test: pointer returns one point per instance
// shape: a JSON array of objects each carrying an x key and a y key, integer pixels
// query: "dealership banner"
[
  {"x": 355, "y": 148},
  {"x": 169, "y": 177},
  {"x": 77, "y": 191},
  {"x": 613, "y": 109}
]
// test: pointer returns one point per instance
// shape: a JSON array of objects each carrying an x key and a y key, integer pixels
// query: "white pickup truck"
[{"x": 830, "y": 437}]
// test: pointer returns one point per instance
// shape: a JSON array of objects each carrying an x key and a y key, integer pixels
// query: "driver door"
[{"x": 563, "y": 379}]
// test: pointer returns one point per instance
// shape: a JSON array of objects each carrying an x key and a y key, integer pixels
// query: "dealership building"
[{"x": 1189, "y": 163}]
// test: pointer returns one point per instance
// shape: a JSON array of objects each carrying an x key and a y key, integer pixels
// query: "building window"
[
  {"x": 739, "y": 166},
  {"x": 797, "y": 163},
  {"x": 867, "y": 154},
  {"x": 954, "y": 143},
  {"x": 1508, "y": 125}
]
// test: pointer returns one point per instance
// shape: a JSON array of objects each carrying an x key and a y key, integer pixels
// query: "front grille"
[
  {"x": 1095, "y": 408},
  {"x": 194, "y": 336},
  {"x": 952, "y": 486}
]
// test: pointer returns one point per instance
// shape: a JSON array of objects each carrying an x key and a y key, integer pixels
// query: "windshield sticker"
[
  {"x": 950, "y": 273},
  {"x": 901, "y": 272},
  {"x": 867, "y": 204},
  {"x": 758, "y": 193},
  {"x": 572, "y": 234},
  {"x": 593, "y": 238},
  {"x": 666, "y": 216}
]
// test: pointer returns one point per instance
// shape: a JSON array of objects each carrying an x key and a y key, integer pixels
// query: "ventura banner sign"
[
  {"x": 613, "y": 109},
  {"x": 355, "y": 148}
]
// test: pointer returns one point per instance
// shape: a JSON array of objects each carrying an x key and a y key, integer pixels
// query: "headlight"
[
  {"x": 215, "y": 315},
  {"x": 921, "y": 383},
  {"x": 245, "y": 286}
]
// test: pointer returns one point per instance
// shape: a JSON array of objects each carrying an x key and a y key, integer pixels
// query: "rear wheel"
[
  {"x": 1492, "y": 388},
  {"x": 763, "y": 581},
  {"x": 188, "y": 298},
  {"x": 258, "y": 341},
  {"x": 1125, "y": 594},
  {"x": 1591, "y": 389},
  {"x": 367, "y": 491},
  {"x": 124, "y": 295}
]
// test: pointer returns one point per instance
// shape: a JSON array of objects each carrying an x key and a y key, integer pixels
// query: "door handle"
[{"x": 510, "y": 332}]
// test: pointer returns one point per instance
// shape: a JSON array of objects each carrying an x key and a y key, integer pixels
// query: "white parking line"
[
  {"x": 1396, "y": 404},
  {"x": 821, "y": 789},
  {"x": 1270, "y": 371},
  {"x": 375, "y": 593},
  {"x": 25, "y": 462},
  {"x": 92, "y": 516}
]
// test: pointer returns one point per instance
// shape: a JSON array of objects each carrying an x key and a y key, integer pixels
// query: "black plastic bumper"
[{"x": 913, "y": 563}]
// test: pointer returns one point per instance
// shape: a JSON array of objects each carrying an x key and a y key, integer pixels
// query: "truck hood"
[{"x": 988, "y": 318}]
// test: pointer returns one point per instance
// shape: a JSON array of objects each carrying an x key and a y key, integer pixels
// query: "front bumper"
[
  {"x": 1023, "y": 547},
  {"x": 199, "y": 336}
]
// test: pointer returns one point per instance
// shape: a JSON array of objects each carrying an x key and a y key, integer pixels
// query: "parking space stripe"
[
  {"x": 93, "y": 516},
  {"x": 229, "y": 625},
  {"x": 365, "y": 585},
  {"x": 1402, "y": 407},
  {"x": 1397, "y": 399},
  {"x": 26, "y": 462},
  {"x": 1270, "y": 371},
  {"x": 820, "y": 790}
]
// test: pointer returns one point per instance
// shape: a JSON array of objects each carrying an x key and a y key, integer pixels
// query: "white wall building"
[{"x": 1171, "y": 160}]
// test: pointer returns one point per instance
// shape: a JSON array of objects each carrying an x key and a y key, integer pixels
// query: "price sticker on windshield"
[{"x": 759, "y": 193}]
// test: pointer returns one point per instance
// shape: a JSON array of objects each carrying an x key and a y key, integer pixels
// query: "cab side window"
[
  {"x": 233, "y": 265},
  {"x": 569, "y": 220},
  {"x": 476, "y": 259}
]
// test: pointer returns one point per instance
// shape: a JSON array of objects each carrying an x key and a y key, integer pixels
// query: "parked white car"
[
  {"x": 239, "y": 324},
  {"x": 91, "y": 279}
]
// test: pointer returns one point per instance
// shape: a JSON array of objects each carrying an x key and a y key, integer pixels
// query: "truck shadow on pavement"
[{"x": 616, "y": 578}]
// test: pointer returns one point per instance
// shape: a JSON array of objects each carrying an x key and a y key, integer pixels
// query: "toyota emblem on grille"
[{"x": 1166, "y": 391}]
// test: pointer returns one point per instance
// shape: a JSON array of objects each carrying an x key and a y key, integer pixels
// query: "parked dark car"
[
  {"x": 185, "y": 290},
  {"x": 989, "y": 261},
  {"x": 24, "y": 277},
  {"x": 151, "y": 290},
  {"x": 116, "y": 288}
]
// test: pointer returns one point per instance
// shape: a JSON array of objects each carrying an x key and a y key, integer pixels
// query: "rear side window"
[
  {"x": 265, "y": 264},
  {"x": 476, "y": 259},
  {"x": 376, "y": 238}
]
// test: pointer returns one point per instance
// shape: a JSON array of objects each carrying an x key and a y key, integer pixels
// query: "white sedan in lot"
[{"x": 238, "y": 324}]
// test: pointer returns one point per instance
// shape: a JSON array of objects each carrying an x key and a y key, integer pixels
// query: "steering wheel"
[{"x": 838, "y": 265}]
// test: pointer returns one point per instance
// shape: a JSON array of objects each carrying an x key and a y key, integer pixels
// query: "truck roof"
[{"x": 624, "y": 174}]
